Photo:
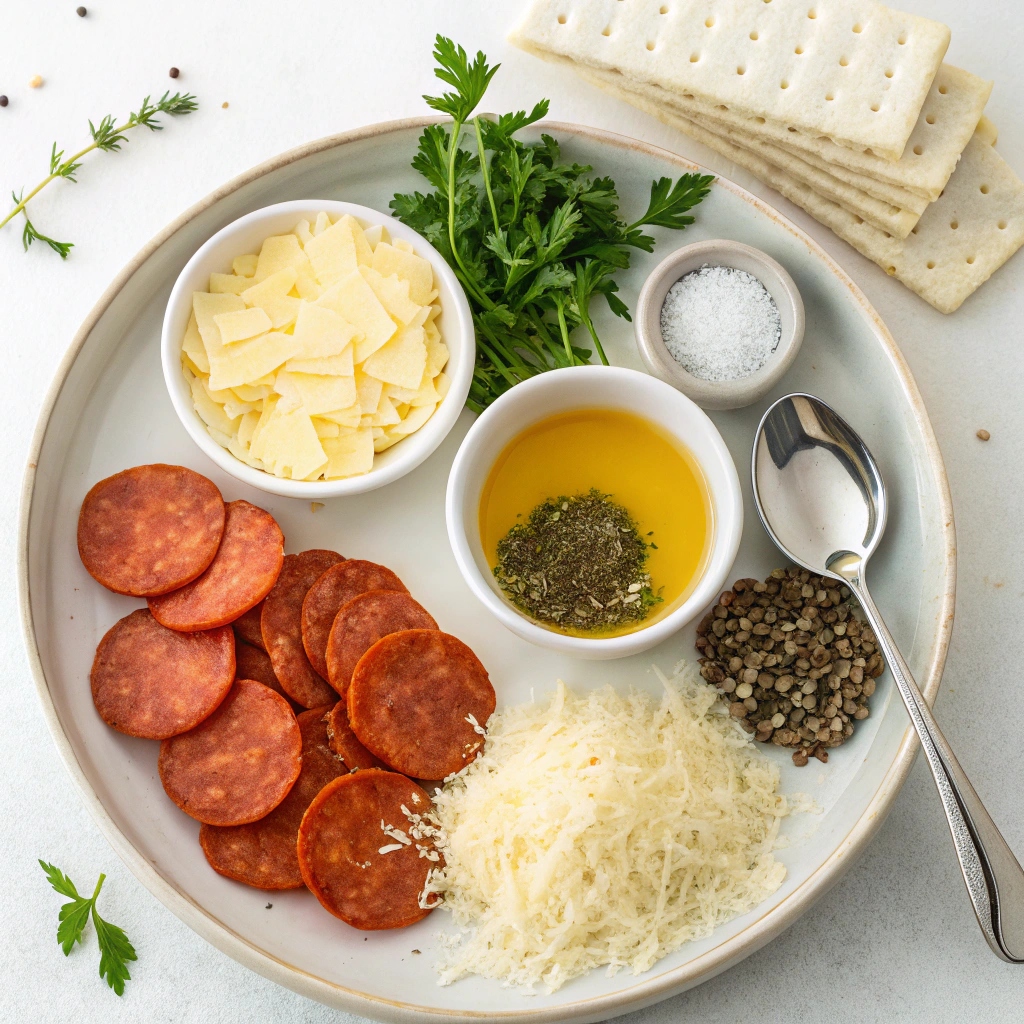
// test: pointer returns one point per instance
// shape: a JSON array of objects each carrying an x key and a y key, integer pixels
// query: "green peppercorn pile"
[{"x": 795, "y": 663}]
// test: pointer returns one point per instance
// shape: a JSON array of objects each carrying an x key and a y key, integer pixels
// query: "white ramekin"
[
  {"x": 588, "y": 387},
  {"x": 720, "y": 252},
  {"x": 245, "y": 235}
]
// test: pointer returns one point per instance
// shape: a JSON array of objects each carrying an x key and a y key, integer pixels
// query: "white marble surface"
[{"x": 895, "y": 940}]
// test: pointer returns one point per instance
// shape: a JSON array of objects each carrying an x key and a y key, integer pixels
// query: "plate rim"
[{"x": 754, "y": 935}]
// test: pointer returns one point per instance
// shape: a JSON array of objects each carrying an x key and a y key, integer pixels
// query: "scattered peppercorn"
[
  {"x": 794, "y": 662},
  {"x": 174, "y": 72},
  {"x": 983, "y": 435},
  {"x": 4, "y": 101},
  {"x": 81, "y": 12},
  {"x": 35, "y": 81}
]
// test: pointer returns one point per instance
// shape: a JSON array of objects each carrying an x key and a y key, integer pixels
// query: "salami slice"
[
  {"x": 358, "y": 852},
  {"x": 246, "y": 566},
  {"x": 416, "y": 701},
  {"x": 252, "y": 663},
  {"x": 281, "y": 625},
  {"x": 362, "y": 622},
  {"x": 151, "y": 529},
  {"x": 240, "y": 763},
  {"x": 247, "y": 627},
  {"x": 344, "y": 742},
  {"x": 154, "y": 682},
  {"x": 331, "y": 592},
  {"x": 262, "y": 853}
]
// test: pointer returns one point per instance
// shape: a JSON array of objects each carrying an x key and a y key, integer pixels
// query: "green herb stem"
[
  {"x": 484, "y": 170},
  {"x": 531, "y": 237},
  {"x": 564, "y": 331},
  {"x": 106, "y": 136}
]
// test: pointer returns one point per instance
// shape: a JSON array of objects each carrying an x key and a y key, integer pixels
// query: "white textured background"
[{"x": 894, "y": 941}]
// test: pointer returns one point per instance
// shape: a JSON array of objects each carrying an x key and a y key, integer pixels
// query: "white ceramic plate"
[{"x": 108, "y": 409}]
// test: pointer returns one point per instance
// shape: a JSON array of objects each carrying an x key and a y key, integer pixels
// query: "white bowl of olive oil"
[{"x": 594, "y": 510}]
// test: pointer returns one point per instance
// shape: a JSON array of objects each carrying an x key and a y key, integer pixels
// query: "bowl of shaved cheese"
[{"x": 317, "y": 348}]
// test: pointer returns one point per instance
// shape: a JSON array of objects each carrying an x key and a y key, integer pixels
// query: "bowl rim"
[
  {"x": 459, "y": 337},
  {"x": 726, "y": 499},
  {"x": 728, "y": 394}
]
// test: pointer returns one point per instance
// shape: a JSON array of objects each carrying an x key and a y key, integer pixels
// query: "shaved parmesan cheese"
[
  {"x": 193, "y": 346},
  {"x": 602, "y": 829},
  {"x": 400, "y": 260},
  {"x": 348, "y": 455},
  {"x": 230, "y": 283},
  {"x": 393, "y": 294},
  {"x": 355, "y": 301},
  {"x": 318, "y": 352},
  {"x": 245, "y": 266},
  {"x": 271, "y": 295},
  {"x": 320, "y": 332},
  {"x": 242, "y": 324},
  {"x": 401, "y": 360}
]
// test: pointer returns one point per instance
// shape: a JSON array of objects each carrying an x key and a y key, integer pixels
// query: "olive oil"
[{"x": 625, "y": 457}]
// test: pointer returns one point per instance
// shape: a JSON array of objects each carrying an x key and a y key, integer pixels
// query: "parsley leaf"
[
  {"x": 532, "y": 238},
  {"x": 115, "y": 949},
  {"x": 115, "y": 952}
]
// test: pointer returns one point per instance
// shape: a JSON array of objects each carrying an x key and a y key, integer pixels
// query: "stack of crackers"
[{"x": 843, "y": 106}]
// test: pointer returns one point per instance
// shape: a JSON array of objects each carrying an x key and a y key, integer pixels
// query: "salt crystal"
[{"x": 720, "y": 323}]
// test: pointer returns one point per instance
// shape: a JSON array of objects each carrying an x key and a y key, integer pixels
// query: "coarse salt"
[{"x": 720, "y": 323}]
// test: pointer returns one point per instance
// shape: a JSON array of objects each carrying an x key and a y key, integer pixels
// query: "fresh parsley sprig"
[
  {"x": 115, "y": 949},
  {"x": 105, "y": 136},
  {"x": 532, "y": 239}
]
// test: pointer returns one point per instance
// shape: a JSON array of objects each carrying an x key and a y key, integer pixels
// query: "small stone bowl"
[{"x": 726, "y": 394}]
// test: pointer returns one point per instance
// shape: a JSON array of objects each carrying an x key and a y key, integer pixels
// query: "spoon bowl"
[
  {"x": 821, "y": 498},
  {"x": 818, "y": 490}
]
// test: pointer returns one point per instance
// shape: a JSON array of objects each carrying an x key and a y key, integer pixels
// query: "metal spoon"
[{"x": 822, "y": 500}]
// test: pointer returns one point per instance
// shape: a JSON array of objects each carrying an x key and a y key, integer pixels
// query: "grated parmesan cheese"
[{"x": 603, "y": 830}]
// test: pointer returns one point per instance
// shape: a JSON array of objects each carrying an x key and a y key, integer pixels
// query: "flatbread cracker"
[
  {"x": 883, "y": 216},
  {"x": 954, "y": 115},
  {"x": 987, "y": 131},
  {"x": 851, "y": 70},
  {"x": 947, "y": 121},
  {"x": 943, "y": 264}
]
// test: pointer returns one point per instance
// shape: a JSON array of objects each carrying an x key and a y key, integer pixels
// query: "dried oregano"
[{"x": 578, "y": 563}]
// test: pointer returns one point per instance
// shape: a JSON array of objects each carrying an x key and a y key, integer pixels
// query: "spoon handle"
[{"x": 995, "y": 880}]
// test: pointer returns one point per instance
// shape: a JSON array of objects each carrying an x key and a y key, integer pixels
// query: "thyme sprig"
[{"x": 106, "y": 136}]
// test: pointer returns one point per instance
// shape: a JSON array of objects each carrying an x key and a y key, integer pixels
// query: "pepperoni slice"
[
  {"x": 262, "y": 853},
  {"x": 247, "y": 626},
  {"x": 252, "y": 663},
  {"x": 413, "y": 699},
  {"x": 331, "y": 592},
  {"x": 246, "y": 566},
  {"x": 281, "y": 625},
  {"x": 154, "y": 682},
  {"x": 369, "y": 878},
  {"x": 240, "y": 763},
  {"x": 362, "y": 622},
  {"x": 344, "y": 743},
  {"x": 151, "y": 529}
]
